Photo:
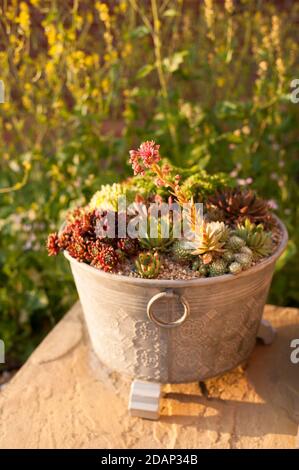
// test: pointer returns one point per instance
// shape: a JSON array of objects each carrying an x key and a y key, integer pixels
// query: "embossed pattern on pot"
[{"x": 219, "y": 333}]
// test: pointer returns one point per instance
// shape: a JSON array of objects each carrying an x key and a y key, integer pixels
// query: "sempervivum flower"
[
  {"x": 80, "y": 222},
  {"x": 146, "y": 156},
  {"x": 74, "y": 214},
  {"x": 65, "y": 237},
  {"x": 237, "y": 205},
  {"x": 129, "y": 246},
  {"x": 94, "y": 247},
  {"x": 84, "y": 224},
  {"x": 107, "y": 259},
  {"x": 53, "y": 244},
  {"x": 87, "y": 222},
  {"x": 77, "y": 248},
  {"x": 210, "y": 240}
]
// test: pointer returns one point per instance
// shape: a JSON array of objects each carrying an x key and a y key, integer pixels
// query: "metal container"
[{"x": 174, "y": 331}]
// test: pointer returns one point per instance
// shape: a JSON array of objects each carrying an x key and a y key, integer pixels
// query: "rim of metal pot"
[{"x": 187, "y": 282}]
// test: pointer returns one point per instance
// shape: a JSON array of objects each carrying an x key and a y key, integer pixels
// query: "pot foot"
[
  {"x": 144, "y": 400},
  {"x": 266, "y": 332}
]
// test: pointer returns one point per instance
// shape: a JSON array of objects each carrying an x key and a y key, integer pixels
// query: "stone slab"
[{"x": 63, "y": 397}]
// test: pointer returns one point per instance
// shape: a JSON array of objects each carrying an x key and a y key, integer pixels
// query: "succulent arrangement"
[{"x": 234, "y": 231}]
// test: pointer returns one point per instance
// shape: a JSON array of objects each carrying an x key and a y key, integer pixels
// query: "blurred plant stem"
[
  {"x": 155, "y": 32},
  {"x": 20, "y": 184}
]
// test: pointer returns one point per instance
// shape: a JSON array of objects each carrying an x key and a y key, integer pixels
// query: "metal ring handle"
[{"x": 168, "y": 295}]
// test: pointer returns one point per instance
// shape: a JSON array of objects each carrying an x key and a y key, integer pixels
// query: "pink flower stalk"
[
  {"x": 159, "y": 182},
  {"x": 146, "y": 156}
]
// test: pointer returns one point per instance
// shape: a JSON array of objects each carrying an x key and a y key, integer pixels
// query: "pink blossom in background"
[
  {"x": 244, "y": 182},
  {"x": 147, "y": 155},
  {"x": 272, "y": 204}
]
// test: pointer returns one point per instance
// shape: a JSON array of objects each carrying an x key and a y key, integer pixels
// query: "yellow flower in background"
[
  {"x": 78, "y": 22},
  {"x": 123, "y": 6},
  {"x": 276, "y": 39},
  {"x": 56, "y": 50},
  {"x": 27, "y": 167},
  {"x": 34, "y": 206},
  {"x": 6, "y": 106},
  {"x": 110, "y": 57},
  {"x": 108, "y": 37},
  {"x": 13, "y": 39},
  {"x": 280, "y": 65},
  {"x": 16, "y": 56},
  {"x": 28, "y": 87},
  {"x": 71, "y": 36},
  {"x": 11, "y": 13},
  {"x": 275, "y": 31},
  {"x": 266, "y": 41},
  {"x": 105, "y": 84},
  {"x": 57, "y": 104},
  {"x": 111, "y": 54},
  {"x": 127, "y": 50},
  {"x": 89, "y": 17},
  {"x": 103, "y": 11},
  {"x": 96, "y": 58},
  {"x": 50, "y": 32},
  {"x": 24, "y": 18},
  {"x": 77, "y": 56},
  {"x": 209, "y": 17},
  {"x": 50, "y": 69},
  {"x": 89, "y": 61},
  {"x": 26, "y": 102},
  {"x": 229, "y": 6},
  {"x": 54, "y": 171},
  {"x": 220, "y": 82},
  {"x": 263, "y": 65},
  {"x": 95, "y": 93}
]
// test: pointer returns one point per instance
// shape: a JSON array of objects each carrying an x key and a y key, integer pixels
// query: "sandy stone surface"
[{"x": 63, "y": 397}]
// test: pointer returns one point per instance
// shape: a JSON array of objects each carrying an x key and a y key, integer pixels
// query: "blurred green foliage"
[{"x": 86, "y": 81}]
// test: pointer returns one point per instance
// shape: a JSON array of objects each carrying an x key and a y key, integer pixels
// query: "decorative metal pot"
[{"x": 174, "y": 331}]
